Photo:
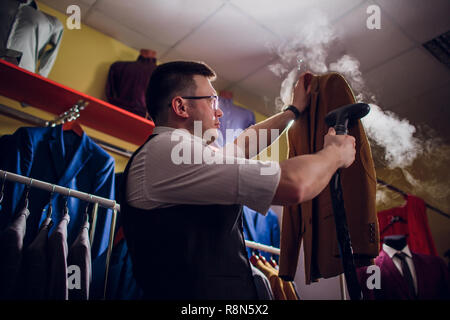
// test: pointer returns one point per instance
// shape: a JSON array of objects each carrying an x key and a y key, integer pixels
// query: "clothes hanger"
[
  {"x": 254, "y": 258},
  {"x": 2, "y": 189},
  {"x": 394, "y": 219},
  {"x": 50, "y": 204},
  {"x": 27, "y": 192},
  {"x": 273, "y": 262},
  {"x": 86, "y": 213},
  {"x": 66, "y": 215},
  {"x": 74, "y": 126}
]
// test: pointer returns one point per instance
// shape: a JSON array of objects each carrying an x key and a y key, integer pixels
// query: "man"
[{"x": 182, "y": 198}]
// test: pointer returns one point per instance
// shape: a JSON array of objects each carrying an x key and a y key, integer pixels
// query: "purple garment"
[
  {"x": 57, "y": 272},
  {"x": 433, "y": 281},
  {"x": 35, "y": 264},
  {"x": 11, "y": 245},
  {"x": 127, "y": 83},
  {"x": 80, "y": 255},
  {"x": 234, "y": 117}
]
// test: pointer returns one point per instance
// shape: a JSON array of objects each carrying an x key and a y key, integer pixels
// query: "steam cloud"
[{"x": 309, "y": 51}]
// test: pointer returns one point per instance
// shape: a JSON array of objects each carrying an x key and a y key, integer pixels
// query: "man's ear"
[{"x": 179, "y": 107}]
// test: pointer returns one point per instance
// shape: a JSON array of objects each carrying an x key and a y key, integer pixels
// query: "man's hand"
[
  {"x": 300, "y": 95},
  {"x": 345, "y": 144}
]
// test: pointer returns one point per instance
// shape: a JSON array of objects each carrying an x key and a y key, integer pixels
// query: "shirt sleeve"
[{"x": 177, "y": 172}]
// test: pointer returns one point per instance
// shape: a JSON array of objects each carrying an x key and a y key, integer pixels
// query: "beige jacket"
[{"x": 313, "y": 222}]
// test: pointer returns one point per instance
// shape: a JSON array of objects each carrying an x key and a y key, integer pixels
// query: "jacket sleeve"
[
  {"x": 17, "y": 158},
  {"x": 291, "y": 231}
]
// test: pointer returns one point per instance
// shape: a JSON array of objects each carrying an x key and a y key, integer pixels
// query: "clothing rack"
[
  {"x": 391, "y": 187},
  {"x": 52, "y": 188},
  {"x": 104, "y": 202}
]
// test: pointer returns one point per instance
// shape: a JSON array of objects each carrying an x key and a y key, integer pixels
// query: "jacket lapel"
[
  {"x": 57, "y": 151},
  {"x": 394, "y": 276},
  {"x": 81, "y": 156}
]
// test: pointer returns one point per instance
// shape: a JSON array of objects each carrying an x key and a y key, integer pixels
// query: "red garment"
[{"x": 416, "y": 226}]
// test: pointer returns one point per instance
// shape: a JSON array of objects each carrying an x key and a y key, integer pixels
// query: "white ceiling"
[{"x": 239, "y": 40}]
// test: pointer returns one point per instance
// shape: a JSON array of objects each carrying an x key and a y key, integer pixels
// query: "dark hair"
[{"x": 171, "y": 79}]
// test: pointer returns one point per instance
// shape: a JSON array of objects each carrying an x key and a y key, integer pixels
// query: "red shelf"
[{"x": 24, "y": 86}]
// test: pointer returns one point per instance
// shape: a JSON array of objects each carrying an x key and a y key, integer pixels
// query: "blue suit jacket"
[
  {"x": 63, "y": 158},
  {"x": 262, "y": 229}
]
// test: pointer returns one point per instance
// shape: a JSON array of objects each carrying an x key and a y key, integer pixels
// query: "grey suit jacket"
[
  {"x": 11, "y": 244},
  {"x": 80, "y": 256},
  {"x": 57, "y": 271}
]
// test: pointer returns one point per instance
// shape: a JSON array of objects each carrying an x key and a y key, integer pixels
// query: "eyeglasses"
[{"x": 215, "y": 100}]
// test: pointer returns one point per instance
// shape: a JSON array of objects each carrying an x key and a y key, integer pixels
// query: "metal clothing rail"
[
  {"x": 262, "y": 247},
  {"x": 52, "y": 188}
]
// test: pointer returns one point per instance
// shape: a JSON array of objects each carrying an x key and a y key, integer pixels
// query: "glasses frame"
[{"x": 216, "y": 100}]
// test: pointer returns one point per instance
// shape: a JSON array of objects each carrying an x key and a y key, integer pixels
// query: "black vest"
[{"x": 187, "y": 251}]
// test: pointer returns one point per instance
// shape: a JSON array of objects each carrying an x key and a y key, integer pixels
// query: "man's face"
[{"x": 204, "y": 110}]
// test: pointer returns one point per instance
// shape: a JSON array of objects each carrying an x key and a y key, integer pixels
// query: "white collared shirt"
[
  {"x": 397, "y": 262},
  {"x": 163, "y": 176}
]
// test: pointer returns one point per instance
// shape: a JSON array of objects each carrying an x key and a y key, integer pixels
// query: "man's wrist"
[{"x": 293, "y": 109}]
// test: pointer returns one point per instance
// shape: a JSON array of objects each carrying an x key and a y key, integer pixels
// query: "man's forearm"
[
  {"x": 250, "y": 140},
  {"x": 304, "y": 177}
]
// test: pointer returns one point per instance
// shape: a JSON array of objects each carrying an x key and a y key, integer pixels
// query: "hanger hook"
[
  {"x": 28, "y": 192},
  {"x": 66, "y": 205},
  {"x": 50, "y": 204},
  {"x": 86, "y": 213},
  {"x": 3, "y": 186}
]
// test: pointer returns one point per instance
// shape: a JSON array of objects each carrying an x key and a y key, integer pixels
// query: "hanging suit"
[
  {"x": 261, "y": 229},
  {"x": 11, "y": 245},
  {"x": 415, "y": 215},
  {"x": 262, "y": 284},
  {"x": 57, "y": 272},
  {"x": 282, "y": 290},
  {"x": 313, "y": 221},
  {"x": 433, "y": 281},
  {"x": 35, "y": 265},
  {"x": 63, "y": 158},
  {"x": 80, "y": 255},
  {"x": 31, "y": 33}
]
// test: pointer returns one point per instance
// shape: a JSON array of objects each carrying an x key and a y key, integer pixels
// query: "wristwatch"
[{"x": 294, "y": 110}]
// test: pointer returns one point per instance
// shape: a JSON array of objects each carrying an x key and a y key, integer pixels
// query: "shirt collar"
[{"x": 391, "y": 251}]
